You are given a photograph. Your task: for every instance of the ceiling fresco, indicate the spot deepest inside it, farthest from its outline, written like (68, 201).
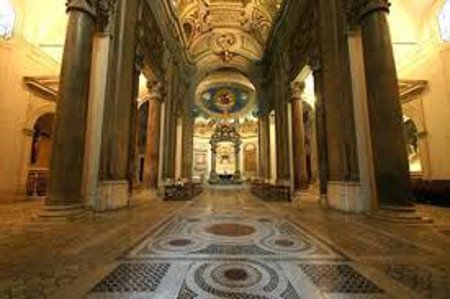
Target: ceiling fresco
(225, 102)
(247, 126)
(221, 32)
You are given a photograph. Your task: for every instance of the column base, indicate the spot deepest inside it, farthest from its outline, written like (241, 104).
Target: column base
(112, 195)
(347, 197)
(62, 212)
(323, 201)
(284, 182)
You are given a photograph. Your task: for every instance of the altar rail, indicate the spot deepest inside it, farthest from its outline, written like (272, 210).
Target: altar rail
(37, 182)
(187, 191)
(435, 192)
(271, 192)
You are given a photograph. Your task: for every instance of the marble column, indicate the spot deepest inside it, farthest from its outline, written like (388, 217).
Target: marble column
(264, 148)
(282, 141)
(300, 176)
(213, 174)
(237, 152)
(170, 125)
(66, 167)
(188, 145)
(385, 112)
(321, 130)
(179, 146)
(151, 161)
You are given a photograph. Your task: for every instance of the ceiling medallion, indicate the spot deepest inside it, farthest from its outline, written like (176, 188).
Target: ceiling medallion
(226, 56)
(225, 99)
(224, 102)
(225, 42)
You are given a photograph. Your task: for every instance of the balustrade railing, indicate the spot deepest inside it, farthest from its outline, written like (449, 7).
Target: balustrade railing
(184, 191)
(270, 191)
(37, 182)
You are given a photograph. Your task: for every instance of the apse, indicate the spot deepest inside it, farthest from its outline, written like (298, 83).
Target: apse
(225, 95)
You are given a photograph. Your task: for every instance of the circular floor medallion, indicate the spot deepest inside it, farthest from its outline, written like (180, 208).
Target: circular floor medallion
(284, 243)
(180, 242)
(236, 274)
(231, 230)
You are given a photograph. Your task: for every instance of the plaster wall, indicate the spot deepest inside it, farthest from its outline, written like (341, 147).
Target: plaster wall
(422, 55)
(19, 109)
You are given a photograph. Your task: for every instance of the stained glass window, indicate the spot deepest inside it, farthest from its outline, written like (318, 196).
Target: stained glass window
(444, 21)
(7, 18)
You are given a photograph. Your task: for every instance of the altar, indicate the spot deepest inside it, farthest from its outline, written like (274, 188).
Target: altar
(225, 157)
(226, 179)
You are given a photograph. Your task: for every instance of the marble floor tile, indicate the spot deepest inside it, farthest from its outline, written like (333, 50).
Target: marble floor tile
(224, 244)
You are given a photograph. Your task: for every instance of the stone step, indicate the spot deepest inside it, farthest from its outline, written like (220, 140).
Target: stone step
(400, 215)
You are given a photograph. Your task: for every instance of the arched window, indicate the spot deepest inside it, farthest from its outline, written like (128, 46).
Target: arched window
(7, 19)
(444, 21)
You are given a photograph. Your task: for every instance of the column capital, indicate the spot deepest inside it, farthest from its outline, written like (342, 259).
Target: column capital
(86, 6)
(315, 62)
(155, 92)
(297, 89)
(139, 58)
(370, 6)
(105, 11)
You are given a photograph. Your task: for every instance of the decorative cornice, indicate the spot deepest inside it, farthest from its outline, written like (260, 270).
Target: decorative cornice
(370, 6)
(409, 88)
(297, 89)
(139, 59)
(357, 10)
(154, 91)
(47, 86)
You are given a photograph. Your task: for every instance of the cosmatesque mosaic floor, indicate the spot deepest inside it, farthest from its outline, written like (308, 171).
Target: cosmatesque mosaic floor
(224, 244)
(230, 247)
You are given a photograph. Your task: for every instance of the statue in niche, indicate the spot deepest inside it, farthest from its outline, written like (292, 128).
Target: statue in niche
(35, 145)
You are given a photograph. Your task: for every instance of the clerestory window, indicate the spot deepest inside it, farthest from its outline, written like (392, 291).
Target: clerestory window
(444, 21)
(7, 19)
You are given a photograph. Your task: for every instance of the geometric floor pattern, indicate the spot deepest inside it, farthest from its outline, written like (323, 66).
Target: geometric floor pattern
(232, 252)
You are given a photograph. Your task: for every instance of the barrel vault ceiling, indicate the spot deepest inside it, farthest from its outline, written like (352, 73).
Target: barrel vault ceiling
(226, 33)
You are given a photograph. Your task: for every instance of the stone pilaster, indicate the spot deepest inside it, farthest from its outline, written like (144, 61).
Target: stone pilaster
(343, 176)
(99, 74)
(66, 167)
(171, 113)
(385, 112)
(117, 135)
(300, 176)
(153, 130)
(321, 129)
